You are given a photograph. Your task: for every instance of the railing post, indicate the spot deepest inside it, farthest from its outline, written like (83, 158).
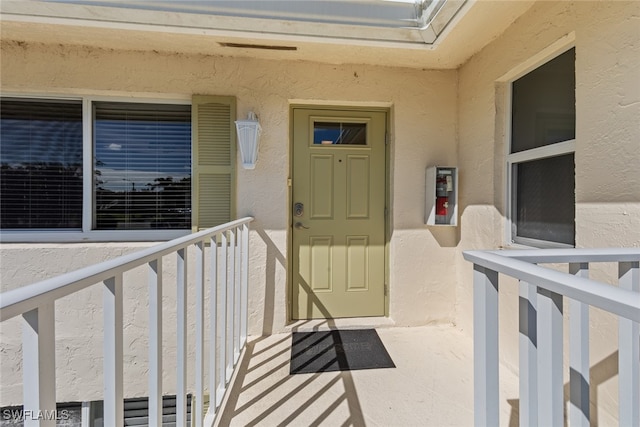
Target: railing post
(223, 313)
(38, 366)
(237, 296)
(579, 355)
(485, 347)
(155, 342)
(244, 285)
(213, 327)
(199, 313)
(528, 354)
(629, 351)
(550, 387)
(181, 335)
(230, 304)
(112, 350)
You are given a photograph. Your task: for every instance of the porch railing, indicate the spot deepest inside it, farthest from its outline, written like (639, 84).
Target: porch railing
(541, 292)
(228, 261)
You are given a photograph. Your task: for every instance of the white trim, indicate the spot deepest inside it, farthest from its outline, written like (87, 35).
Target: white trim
(87, 165)
(87, 233)
(77, 236)
(527, 242)
(552, 150)
(508, 170)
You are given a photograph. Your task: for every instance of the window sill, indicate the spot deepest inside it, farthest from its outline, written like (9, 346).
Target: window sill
(46, 236)
(526, 243)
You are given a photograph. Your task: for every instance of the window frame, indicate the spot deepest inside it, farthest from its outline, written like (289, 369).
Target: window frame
(512, 240)
(87, 233)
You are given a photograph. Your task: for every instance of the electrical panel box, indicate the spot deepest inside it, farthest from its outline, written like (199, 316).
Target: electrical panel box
(442, 196)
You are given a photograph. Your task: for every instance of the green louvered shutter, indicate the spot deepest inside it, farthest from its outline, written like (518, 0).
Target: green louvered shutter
(214, 160)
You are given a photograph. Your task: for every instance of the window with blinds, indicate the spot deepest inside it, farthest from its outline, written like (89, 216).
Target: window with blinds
(41, 164)
(142, 170)
(78, 168)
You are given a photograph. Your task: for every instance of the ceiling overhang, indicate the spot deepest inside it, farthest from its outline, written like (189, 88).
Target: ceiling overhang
(392, 34)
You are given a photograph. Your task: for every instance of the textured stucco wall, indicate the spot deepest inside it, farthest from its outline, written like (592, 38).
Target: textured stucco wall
(423, 132)
(607, 43)
(429, 281)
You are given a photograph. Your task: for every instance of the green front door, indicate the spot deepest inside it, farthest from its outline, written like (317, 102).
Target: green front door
(338, 213)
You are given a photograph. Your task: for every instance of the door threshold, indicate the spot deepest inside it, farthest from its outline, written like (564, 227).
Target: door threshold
(312, 325)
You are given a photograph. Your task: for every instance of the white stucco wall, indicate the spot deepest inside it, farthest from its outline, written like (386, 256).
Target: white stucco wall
(607, 157)
(423, 113)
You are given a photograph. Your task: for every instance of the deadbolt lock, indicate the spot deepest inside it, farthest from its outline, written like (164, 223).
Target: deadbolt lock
(298, 209)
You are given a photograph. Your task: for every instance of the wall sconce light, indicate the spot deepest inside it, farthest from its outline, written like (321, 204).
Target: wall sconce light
(248, 137)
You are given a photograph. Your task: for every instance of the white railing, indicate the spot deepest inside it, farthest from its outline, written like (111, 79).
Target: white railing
(228, 260)
(541, 335)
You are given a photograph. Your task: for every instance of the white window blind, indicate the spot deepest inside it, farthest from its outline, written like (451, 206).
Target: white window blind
(142, 172)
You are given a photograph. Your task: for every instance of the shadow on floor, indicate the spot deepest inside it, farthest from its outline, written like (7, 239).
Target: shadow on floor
(302, 399)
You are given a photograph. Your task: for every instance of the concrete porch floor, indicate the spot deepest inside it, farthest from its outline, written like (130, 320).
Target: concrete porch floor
(432, 385)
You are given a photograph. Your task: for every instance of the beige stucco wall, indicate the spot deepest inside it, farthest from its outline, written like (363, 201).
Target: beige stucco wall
(607, 43)
(422, 107)
(437, 117)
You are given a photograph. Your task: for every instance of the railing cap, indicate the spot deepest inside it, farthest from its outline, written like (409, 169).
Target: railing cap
(619, 301)
(26, 298)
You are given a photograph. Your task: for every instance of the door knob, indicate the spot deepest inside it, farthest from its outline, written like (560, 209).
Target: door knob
(300, 226)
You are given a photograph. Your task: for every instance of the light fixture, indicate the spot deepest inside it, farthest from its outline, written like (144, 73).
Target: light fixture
(248, 137)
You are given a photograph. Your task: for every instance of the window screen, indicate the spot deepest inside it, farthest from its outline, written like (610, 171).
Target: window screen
(142, 175)
(41, 164)
(545, 199)
(543, 178)
(544, 105)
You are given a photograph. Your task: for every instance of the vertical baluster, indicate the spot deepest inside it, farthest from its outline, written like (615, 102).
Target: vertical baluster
(550, 387)
(238, 295)
(485, 346)
(38, 365)
(112, 349)
(222, 268)
(528, 355)
(629, 351)
(181, 334)
(86, 415)
(199, 368)
(213, 327)
(244, 285)
(230, 304)
(579, 355)
(155, 342)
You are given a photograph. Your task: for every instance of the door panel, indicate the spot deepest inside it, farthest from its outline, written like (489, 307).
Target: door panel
(320, 249)
(358, 191)
(338, 235)
(321, 180)
(357, 263)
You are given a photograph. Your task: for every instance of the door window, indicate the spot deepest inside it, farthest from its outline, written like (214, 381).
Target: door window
(339, 133)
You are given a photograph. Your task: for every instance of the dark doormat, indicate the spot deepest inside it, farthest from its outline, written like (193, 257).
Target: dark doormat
(345, 350)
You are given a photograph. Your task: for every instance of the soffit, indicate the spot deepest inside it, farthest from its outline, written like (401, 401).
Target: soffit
(474, 26)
